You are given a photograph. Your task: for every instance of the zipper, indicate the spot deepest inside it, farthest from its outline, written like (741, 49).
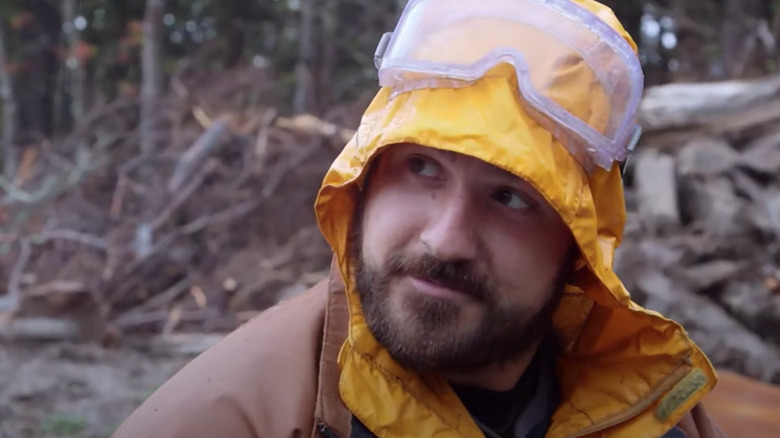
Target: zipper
(641, 406)
(326, 432)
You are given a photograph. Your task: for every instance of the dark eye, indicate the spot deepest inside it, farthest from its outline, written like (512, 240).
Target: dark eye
(423, 167)
(510, 199)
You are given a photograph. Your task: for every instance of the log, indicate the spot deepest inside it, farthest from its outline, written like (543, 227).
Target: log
(713, 204)
(308, 124)
(772, 206)
(706, 157)
(683, 105)
(39, 329)
(710, 274)
(721, 337)
(755, 306)
(763, 155)
(657, 189)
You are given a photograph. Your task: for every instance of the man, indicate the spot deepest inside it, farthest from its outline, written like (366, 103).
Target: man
(473, 219)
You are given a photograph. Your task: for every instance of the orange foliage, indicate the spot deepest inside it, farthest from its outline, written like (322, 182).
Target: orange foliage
(84, 51)
(21, 20)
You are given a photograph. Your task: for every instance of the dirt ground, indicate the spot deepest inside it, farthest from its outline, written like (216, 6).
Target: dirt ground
(75, 390)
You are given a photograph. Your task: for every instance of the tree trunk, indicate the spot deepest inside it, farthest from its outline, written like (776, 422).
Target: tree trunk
(739, 37)
(328, 43)
(302, 100)
(73, 64)
(9, 114)
(151, 88)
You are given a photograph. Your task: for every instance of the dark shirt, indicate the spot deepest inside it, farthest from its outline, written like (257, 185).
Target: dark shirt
(523, 411)
(499, 410)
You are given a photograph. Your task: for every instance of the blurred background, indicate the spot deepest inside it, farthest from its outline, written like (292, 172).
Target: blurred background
(160, 160)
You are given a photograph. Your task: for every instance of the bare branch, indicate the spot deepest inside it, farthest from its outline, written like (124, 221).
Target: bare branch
(182, 195)
(75, 236)
(284, 170)
(119, 196)
(184, 344)
(161, 316)
(157, 301)
(52, 185)
(17, 195)
(195, 154)
(280, 173)
(229, 215)
(223, 217)
(57, 287)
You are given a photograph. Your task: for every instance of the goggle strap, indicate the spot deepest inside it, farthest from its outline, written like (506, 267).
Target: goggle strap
(632, 143)
(381, 48)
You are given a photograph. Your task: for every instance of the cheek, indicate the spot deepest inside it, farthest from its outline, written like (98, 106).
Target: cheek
(391, 220)
(531, 258)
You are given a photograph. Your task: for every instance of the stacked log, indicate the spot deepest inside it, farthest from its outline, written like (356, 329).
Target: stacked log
(703, 238)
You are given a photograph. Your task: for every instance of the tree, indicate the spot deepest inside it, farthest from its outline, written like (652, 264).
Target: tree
(303, 69)
(9, 112)
(151, 87)
(74, 62)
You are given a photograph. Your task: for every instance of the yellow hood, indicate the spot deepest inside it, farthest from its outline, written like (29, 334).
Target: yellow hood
(626, 371)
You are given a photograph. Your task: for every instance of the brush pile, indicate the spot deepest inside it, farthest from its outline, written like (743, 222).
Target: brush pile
(99, 240)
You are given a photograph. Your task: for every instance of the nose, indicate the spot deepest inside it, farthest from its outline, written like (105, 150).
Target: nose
(450, 233)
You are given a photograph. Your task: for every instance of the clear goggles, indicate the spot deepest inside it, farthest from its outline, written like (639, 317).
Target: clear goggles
(578, 77)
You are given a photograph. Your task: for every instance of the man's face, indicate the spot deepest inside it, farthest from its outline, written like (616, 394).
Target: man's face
(459, 264)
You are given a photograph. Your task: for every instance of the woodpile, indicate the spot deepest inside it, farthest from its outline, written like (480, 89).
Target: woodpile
(703, 238)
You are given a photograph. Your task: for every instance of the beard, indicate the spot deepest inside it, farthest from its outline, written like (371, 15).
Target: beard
(432, 335)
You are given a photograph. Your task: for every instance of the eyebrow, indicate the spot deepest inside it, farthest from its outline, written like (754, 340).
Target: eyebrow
(503, 175)
(453, 157)
(517, 182)
(450, 155)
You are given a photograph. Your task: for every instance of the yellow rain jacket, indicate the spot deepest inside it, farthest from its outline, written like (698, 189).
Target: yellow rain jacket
(305, 366)
(626, 371)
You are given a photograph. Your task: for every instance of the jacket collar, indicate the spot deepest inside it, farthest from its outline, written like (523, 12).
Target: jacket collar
(330, 412)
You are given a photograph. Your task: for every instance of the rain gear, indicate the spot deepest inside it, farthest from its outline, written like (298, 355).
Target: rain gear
(307, 365)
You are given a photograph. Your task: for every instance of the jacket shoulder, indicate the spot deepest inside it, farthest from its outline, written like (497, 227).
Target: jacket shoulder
(260, 381)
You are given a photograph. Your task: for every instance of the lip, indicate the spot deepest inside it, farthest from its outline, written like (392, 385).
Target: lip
(436, 291)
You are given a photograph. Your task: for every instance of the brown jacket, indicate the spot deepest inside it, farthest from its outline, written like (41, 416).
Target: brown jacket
(275, 377)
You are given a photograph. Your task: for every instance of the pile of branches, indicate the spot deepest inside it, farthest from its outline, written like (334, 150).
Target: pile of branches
(98, 239)
(703, 238)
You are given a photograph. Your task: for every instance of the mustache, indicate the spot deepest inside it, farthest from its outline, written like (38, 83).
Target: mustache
(456, 275)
